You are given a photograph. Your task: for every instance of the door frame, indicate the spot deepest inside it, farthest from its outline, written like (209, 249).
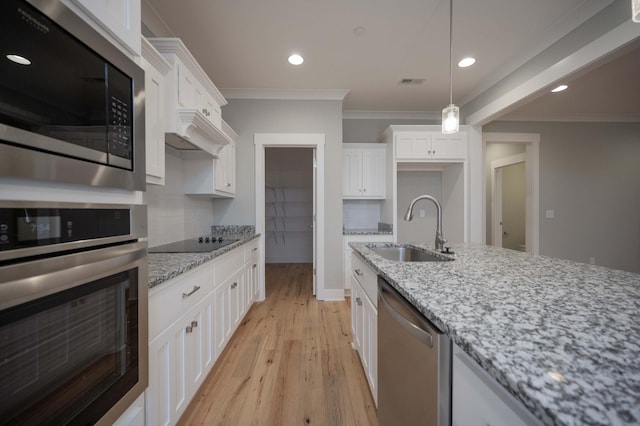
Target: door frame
(532, 167)
(496, 195)
(292, 140)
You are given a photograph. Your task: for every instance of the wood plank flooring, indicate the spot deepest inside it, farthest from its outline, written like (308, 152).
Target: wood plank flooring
(289, 363)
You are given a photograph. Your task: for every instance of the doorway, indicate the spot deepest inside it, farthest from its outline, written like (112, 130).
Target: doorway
(508, 212)
(509, 156)
(314, 142)
(289, 205)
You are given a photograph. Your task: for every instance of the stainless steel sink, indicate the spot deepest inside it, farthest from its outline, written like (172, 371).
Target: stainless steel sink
(408, 253)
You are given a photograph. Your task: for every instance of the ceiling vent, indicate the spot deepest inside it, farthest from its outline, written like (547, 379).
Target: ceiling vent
(405, 81)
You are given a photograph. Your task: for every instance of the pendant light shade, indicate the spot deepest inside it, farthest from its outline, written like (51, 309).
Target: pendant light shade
(635, 10)
(451, 114)
(450, 119)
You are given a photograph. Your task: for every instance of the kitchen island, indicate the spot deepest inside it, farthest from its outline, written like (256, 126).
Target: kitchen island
(562, 337)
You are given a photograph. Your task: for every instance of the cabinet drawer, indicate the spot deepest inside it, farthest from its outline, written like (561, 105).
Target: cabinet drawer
(228, 264)
(175, 297)
(366, 276)
(251, 251)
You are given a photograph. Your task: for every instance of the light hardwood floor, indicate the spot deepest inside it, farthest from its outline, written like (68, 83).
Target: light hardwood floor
(289, 363)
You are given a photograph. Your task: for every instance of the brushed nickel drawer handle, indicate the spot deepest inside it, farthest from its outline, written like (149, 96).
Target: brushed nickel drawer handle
(359, 272)
(195, 288)
(189, 329)
(254, 249)
(194, 324)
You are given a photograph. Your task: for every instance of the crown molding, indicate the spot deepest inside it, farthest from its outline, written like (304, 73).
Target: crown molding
(286, 94)
(393, 115)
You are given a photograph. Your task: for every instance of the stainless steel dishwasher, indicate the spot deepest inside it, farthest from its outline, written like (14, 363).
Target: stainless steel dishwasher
(414, 365)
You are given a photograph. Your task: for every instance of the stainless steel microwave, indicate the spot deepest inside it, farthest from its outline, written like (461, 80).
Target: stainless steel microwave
(71, 103)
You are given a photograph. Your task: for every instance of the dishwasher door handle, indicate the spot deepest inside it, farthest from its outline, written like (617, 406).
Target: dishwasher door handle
(414, 329)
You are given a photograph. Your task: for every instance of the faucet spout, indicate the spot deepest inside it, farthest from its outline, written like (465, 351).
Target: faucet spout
(440, 241)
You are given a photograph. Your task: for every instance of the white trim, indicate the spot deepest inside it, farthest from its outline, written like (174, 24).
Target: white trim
(332, 294)
(286, 94)
(532, 141)
(507, 161)
(391, 115)
(292, 140)
(624, 33)
(575, 118)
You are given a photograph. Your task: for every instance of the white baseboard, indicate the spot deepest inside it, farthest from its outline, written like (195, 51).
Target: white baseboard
(331, 294)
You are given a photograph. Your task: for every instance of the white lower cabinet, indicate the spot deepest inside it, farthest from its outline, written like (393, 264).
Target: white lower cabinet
(364, 320)
(134, 415)
(478, 400)
(348, 251)
(191, 319)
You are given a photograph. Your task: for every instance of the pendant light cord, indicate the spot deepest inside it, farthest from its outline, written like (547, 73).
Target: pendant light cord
(450, 52)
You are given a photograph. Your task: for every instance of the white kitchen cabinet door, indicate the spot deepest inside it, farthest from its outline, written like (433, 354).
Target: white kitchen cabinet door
(225, 171)
(119, 18)
(373, 173)
(430, 146)
(155, 68)
(363, 171)
(478, 400)
(370, 342)
(167, 392)
(187, 96)
(453, 147)
(222, 316)
(134, 415)
(236, 299)
(356, 316)
(412, 146)
(351, 173)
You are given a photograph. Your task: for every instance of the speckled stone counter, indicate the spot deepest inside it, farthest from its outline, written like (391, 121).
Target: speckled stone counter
(164, 266)
(371, 231)
(563, 337)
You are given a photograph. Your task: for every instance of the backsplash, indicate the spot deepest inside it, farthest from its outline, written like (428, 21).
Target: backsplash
(361, 214)
(224, 230)
(173, 216)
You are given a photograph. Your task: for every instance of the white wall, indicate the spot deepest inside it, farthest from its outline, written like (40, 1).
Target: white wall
(590, 177)
(410, 185)
(174, 216)
(370, 130)
(248, 117)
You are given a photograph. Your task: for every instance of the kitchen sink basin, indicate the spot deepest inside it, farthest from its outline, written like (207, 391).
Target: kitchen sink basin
(408, 253)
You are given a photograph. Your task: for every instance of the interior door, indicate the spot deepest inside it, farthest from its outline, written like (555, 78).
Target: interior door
(313, 220)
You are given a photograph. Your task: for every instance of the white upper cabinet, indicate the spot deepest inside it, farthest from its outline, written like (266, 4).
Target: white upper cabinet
(118, 18)
(155, 69)
(363, 171)
(429, 146)
(193, 117)
(216, 177)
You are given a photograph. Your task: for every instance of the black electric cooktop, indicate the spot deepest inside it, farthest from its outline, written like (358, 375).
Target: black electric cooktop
(197, 245)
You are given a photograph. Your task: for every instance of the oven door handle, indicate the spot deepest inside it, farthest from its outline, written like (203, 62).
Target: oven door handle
(33, 279)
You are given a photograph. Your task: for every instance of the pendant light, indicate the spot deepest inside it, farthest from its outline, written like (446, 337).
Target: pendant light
(451, 114)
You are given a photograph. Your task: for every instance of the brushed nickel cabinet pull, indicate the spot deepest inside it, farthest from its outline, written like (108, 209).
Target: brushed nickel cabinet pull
(195, 288)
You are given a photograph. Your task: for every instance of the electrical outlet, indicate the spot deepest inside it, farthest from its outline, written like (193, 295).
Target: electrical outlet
(550, 214)
(422, 213)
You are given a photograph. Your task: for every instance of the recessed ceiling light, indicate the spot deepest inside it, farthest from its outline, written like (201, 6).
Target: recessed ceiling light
(19, 59)
(560, 88)
(359, 31)
(466, 62)
(296, 59)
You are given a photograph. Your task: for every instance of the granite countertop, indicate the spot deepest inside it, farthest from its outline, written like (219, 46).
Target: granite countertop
(372, 231)
(562, 337)
(164, 266)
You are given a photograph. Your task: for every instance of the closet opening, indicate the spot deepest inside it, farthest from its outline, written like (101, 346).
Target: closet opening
(289, 210)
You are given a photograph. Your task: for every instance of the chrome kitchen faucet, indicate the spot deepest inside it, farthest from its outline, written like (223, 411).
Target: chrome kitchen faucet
(440, 241)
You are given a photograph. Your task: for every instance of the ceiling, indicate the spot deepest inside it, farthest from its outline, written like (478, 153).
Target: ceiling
(244, 44)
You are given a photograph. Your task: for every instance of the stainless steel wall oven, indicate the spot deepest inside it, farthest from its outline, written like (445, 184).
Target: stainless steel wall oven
(73, 312)
(71, 103)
